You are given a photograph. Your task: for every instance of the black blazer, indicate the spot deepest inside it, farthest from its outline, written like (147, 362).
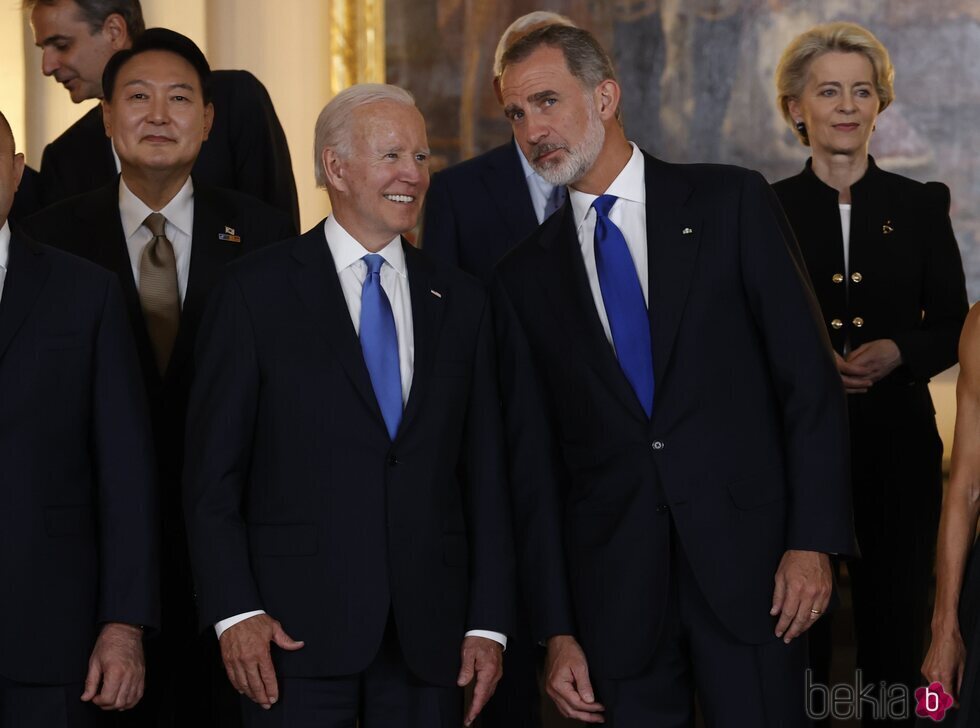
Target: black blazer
(747, 446)
(77, 503)
(297, 501)
(246, 150)
(27, 199)
(477, 210)
(89, 226)
(906, 279)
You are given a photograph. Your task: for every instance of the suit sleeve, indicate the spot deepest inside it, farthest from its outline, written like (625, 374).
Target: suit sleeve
(535, 477)
(932, 346)
(814, 414)
(220, 424)
(128, 502)
(263, 165)
(487, 501)
(440, 238)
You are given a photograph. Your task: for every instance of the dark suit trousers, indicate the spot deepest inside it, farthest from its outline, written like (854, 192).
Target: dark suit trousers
(737, 684)
(385, 695)
(44, 706)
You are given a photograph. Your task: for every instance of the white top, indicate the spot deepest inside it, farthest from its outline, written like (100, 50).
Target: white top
(179, 229)
(4, 253)
(538, 186)
(845, 231)
(629, 214)
(348, 257)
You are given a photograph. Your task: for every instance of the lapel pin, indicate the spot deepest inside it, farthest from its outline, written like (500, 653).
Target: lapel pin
(686, 231)
(887, 228)
(435, 293)
(229, 235)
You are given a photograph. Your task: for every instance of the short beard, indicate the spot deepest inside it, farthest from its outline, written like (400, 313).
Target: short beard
(578, 161)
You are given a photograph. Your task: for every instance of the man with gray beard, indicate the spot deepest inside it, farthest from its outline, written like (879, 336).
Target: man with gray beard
(676, 425)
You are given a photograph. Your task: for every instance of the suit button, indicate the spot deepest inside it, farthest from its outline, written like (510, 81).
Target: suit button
(662, 508)
(838, 278)
(858, 321)
(392, 460)
(657, 445)
(837, 323)
(856, 277)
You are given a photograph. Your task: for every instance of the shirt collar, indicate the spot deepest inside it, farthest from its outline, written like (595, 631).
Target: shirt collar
(628, 185)
(346, 250)
(4, 244)
(525, 165)
(179, 211)
(532, 176)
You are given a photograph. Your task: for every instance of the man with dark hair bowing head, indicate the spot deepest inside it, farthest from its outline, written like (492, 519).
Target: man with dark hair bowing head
(78, 553)
(675, 419)
(166, 236)
(345, 482)
(247, 150)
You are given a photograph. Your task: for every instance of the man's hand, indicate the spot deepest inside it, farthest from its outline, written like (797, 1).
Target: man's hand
(116, 668)
(483, 658)
(248, 659)
(567, 681)
(802, 593)
(869, 363)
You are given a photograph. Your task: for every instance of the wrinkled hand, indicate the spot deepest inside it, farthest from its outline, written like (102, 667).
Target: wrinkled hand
(248, 660)
(116, 668)
(567, 681)
(483, 658)
(803, 583)
(869, 363)
(946, 660)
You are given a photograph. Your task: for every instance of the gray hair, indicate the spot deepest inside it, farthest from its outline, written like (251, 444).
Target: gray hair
(333, 130)
(521, 26)
(94, 12)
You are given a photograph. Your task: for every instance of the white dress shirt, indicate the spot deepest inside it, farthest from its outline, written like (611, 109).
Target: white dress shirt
(629, 214)
(178, 229)
(4, 253)
(845, 233)
(540, 188)
(348, 257)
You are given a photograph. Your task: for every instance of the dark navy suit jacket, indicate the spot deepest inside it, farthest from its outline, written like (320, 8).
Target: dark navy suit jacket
(297, 500)
(746, 451)
(78, 511)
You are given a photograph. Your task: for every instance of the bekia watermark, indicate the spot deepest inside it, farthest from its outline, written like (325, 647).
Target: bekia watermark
(880, 701)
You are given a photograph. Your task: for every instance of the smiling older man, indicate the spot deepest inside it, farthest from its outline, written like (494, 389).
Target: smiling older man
(344, 480)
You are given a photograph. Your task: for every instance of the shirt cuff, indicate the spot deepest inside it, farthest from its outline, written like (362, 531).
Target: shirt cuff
(495, 636)
(232, 621)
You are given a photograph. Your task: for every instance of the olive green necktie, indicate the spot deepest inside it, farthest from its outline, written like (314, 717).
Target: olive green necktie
(159, 296)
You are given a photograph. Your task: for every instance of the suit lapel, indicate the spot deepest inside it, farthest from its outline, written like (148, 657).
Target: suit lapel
(673, 238)
(567, 285)
(27, 270)
(209, 255)
(103, 227)
(315, 279)
(427, 314)
(507, 187)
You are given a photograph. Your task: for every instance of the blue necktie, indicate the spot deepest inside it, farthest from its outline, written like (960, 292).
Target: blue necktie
(379, 343)
(623, 300)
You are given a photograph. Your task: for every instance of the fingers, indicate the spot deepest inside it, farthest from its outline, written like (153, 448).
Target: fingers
(486, 683)
(778, 597)
(256, 685)
(573, 696)
(283, 640)
(466, 671)
(801, 593)
(92, 679)
(113, 688)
